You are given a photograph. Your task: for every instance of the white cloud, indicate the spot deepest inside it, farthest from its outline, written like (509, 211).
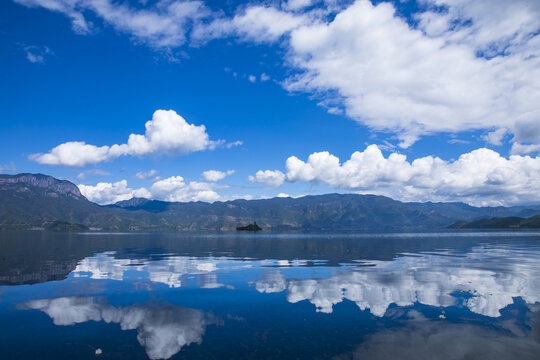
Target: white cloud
(273, 178)
(36, 54)
(240, 196)
(470, 67)
(67, 7)
(481, 177)
(264, 77)
(252, 78)
(394, 78)
(518, 148)
(73, 153)
(108, 193)
(257, 23)
(487, 25)
(495, 137)
(260, 23)
(527, 135)
(92, 172)
(146, 175)
(174, 188)
(167, 132)
(216, 175)
(163, 25)
(464, 65)
(234, 144)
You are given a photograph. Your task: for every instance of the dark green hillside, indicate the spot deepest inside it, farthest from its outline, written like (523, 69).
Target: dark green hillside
(60, 225)
(332, 212)
(511, 222)
(37, 201)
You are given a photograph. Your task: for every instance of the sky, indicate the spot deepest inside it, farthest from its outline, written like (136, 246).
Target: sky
(187, 100)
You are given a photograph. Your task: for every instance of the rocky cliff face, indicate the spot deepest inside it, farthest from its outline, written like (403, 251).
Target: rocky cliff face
(48, 183)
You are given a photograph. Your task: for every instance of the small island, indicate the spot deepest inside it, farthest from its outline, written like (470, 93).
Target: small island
(250, 227)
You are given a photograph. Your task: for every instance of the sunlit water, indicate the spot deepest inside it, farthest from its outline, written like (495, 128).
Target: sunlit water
(164, 296)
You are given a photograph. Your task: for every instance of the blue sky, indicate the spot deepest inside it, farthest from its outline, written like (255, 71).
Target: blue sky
(452, 84)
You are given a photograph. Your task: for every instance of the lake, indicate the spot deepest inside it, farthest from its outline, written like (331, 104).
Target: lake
(267, 296)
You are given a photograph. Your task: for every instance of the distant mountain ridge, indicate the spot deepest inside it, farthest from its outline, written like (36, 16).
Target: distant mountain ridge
(132, 203)
(36, 201)
(56, 186)
(511, 222)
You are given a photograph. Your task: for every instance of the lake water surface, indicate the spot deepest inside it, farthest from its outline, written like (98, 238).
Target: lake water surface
(261, 296)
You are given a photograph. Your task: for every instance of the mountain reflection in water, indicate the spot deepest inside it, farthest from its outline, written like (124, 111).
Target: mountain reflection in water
(434, 296)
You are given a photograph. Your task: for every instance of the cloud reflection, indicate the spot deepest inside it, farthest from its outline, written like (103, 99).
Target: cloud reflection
(484, 280)
(419, 338)
(162, 331)
(169, 270)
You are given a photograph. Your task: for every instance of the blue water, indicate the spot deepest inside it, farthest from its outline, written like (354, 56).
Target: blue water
(174, 296)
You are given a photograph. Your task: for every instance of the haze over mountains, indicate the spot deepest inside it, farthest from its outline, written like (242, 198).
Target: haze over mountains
(35, 201)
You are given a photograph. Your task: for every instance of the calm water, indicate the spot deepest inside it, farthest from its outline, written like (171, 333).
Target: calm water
(164, 296)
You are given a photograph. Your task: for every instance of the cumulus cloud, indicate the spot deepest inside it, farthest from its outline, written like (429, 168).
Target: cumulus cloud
(527, 135)
(273, 178)
(495, 137)
(174, 188)
(481, 177)
(108, 193)
(412, 82)
(519, 148)
(216, 175)
(472, 66)
(167, 132)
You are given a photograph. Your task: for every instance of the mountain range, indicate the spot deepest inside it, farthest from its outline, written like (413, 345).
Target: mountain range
(35, 201)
